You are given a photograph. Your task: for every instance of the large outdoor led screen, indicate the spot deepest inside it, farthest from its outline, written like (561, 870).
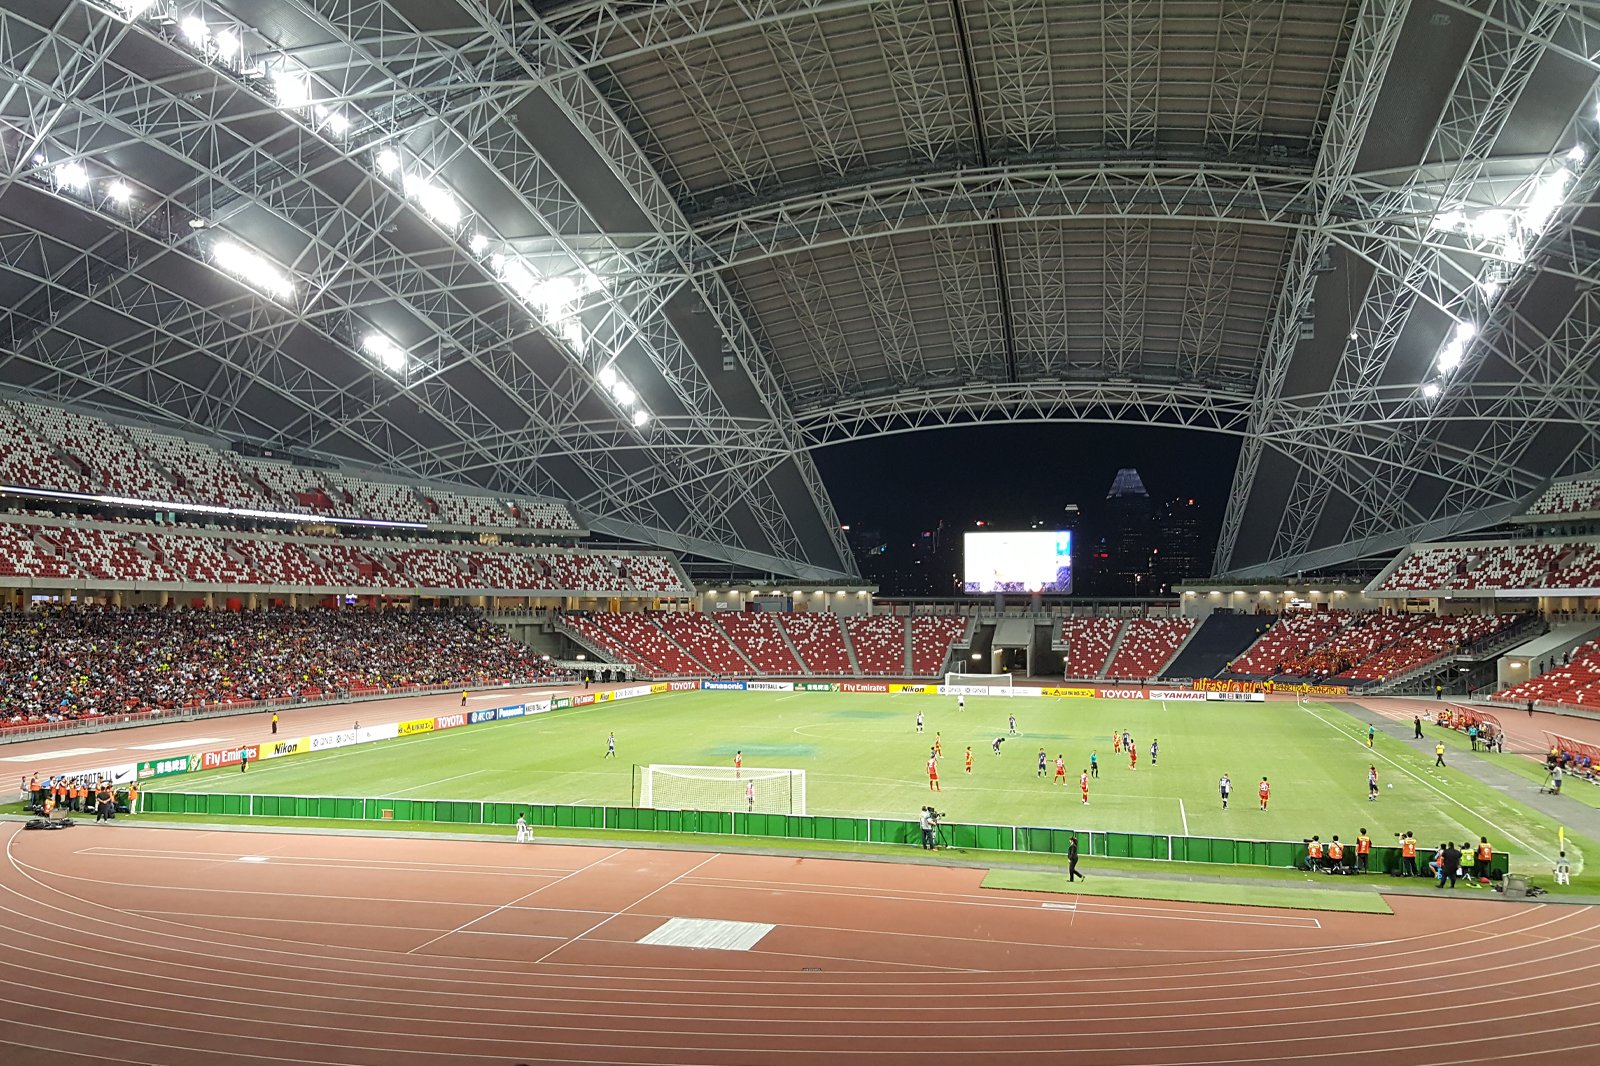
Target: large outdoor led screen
(1027, 561)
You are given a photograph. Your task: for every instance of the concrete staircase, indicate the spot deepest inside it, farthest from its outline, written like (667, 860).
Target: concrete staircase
(849, 645)
(1116, 644)
(783, 631)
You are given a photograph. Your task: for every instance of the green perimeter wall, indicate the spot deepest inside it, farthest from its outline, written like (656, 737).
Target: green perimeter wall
(792, 826)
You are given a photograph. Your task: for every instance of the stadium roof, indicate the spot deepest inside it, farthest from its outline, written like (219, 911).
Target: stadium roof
(646, 256)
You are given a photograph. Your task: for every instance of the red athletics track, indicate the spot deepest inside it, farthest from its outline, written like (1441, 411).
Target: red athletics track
(399, 952)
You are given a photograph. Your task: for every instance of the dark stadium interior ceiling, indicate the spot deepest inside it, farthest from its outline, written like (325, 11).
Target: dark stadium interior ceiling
(649, 256)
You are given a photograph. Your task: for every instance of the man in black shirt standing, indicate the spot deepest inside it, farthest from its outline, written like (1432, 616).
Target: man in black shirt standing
(1072, 862)
(1450, 865)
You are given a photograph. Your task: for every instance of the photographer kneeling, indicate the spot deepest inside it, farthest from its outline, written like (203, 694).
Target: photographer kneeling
(930, 828)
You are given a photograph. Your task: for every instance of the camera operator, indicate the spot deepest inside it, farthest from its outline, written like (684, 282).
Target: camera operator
(930, 828)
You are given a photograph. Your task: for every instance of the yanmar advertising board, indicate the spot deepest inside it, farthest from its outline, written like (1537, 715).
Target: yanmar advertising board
(1177, 695)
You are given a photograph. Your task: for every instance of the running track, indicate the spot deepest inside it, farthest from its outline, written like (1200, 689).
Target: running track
(400, 952)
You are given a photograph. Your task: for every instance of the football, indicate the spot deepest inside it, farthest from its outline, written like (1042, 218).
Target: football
(1391, 784)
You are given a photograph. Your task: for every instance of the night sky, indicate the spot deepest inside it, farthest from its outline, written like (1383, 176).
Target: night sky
(1012, 476)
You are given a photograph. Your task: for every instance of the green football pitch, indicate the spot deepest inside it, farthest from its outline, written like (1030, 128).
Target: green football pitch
(863, 756)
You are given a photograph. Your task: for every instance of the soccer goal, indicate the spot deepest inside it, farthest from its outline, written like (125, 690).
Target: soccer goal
(977, 680)
(765, 790)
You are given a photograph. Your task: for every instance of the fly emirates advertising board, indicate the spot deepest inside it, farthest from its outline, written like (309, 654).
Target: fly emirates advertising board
(1026, 561)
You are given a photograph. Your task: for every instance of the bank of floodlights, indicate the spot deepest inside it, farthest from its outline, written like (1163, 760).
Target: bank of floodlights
(253, 269)
(385, 351)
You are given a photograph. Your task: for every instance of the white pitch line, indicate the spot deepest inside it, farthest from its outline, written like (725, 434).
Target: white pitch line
(1185, 816)
(1424, 781)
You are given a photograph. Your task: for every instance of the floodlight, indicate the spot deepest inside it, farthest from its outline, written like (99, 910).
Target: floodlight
(71, 175)
(434, 199)
(640, 417)
(572, 332)
(388, 161)
(1430, 390)
(1576, 154)
(336, 123)
(228, 45)
(135, 8)
(477, 242)
(252, 268)
(291, 90)
(386, 351)
(194, 30)
(608, 376)
(624, 395)
(119, 191)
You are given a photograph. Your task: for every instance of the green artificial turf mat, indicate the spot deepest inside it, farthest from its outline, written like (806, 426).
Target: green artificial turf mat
(1306, 898)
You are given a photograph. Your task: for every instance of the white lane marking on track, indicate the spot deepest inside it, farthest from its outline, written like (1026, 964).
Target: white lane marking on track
(62, 753)
(519, 899)
(186, 743)
(659, 888)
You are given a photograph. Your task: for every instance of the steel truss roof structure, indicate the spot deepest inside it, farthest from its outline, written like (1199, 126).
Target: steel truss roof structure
(649, 256)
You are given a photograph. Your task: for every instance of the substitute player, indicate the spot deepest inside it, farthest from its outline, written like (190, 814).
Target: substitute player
(1061, 770)
(933, 776)
(1372, 784)
(738, 764)
(969, 759)
(1264, 792)
(1083, 786)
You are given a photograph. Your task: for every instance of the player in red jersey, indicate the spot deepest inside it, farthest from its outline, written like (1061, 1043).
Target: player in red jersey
(969, 760)
(738, 763)
(933, 776)
(1133, 756)
(1083, 786)
(1264, 791)
(1116, 742)
(1061, 770)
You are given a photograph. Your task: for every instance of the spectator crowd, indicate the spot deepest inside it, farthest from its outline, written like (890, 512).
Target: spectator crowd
(75, 663)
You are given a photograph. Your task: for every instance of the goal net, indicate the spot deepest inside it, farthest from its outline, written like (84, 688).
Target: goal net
(977, 680)
(721, 788)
